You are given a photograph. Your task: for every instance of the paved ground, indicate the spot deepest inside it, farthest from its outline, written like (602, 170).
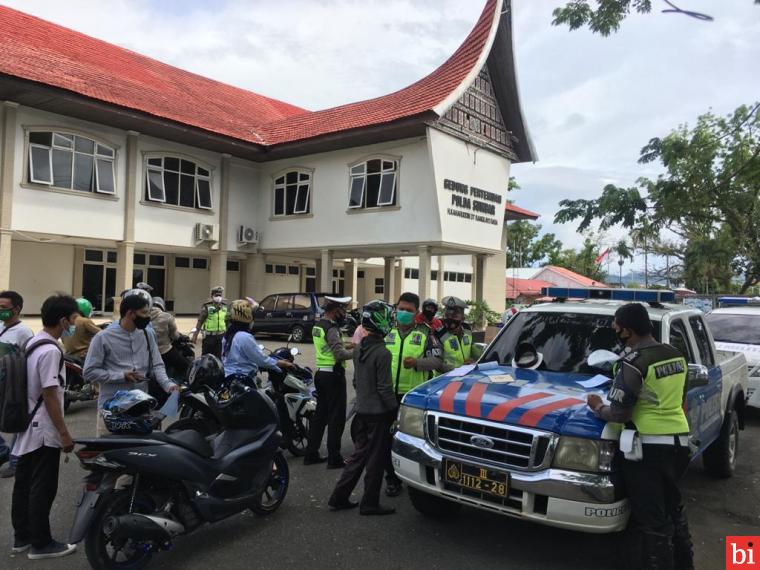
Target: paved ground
(303, 532)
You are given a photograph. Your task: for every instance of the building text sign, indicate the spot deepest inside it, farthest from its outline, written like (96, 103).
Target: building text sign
(472, 203)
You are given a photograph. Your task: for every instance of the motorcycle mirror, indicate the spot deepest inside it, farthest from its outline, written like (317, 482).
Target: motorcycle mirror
(294, 351)
(603, 359)
(262, 347)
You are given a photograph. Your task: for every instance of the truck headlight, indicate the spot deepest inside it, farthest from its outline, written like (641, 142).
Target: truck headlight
(581, 454)
(411, 421)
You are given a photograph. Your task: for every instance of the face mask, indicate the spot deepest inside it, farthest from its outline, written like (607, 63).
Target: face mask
(217, 299)
(68, 331)
(452, 324)
(142, 322)
(404, 318)
(6, 314)
(429, 314)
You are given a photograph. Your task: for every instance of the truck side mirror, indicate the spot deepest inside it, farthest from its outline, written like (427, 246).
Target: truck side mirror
(602, 359)
(698, 375)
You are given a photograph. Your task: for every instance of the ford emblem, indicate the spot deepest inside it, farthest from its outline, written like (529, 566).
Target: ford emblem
(481, 441)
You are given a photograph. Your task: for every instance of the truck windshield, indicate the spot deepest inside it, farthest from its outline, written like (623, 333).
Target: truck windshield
(741, 329)
(564, 339)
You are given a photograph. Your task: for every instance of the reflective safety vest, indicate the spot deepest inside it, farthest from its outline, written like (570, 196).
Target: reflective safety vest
(659, 407)
(325, 356)
(456, 350)
(412, 345)
(216, 319)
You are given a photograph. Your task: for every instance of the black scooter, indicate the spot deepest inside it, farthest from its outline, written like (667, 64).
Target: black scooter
(145, 490)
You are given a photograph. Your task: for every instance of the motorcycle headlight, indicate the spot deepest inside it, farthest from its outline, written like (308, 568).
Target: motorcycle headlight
(581, 454)
(411, 421)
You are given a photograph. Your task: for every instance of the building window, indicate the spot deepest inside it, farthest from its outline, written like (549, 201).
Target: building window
(111, 257)
(157, 260)
(434, 275)
(360, 274)
(373, 184)
(379, 285)
(280, 269)
(233, 265)
(93, 255)
(200, 263)
(269, 268)
(181, 261)
(410, 273)
(68, 161)
(177, 182)
(292, 193)
(138, 259)
(311, 271)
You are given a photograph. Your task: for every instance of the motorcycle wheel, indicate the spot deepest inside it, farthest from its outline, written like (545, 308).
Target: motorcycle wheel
(106, 554)
(66, 402)
(276, 487)
(298, 440)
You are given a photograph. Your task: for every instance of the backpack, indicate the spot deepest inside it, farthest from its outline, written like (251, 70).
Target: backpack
(14, 407)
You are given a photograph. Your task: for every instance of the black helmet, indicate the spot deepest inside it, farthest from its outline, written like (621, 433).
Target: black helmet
(241, 407)
(377, 316)
(206, 371)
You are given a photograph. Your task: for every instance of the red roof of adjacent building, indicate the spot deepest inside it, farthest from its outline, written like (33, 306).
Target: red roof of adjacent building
(43, 52)
(527, 287)
(518, 213)
(582, 280)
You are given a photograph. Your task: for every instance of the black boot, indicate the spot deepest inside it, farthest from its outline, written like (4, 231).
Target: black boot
(658, 551)
(683, 553)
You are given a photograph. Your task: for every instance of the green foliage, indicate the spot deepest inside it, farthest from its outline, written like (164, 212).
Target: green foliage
(481, 314)
(603, 20)
(710, 191)
(524, 247)
(581, 260)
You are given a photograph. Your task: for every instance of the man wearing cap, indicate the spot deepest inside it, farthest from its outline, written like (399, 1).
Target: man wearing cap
(428, 315)
(455, 336)
(330, 382)
(212, 321)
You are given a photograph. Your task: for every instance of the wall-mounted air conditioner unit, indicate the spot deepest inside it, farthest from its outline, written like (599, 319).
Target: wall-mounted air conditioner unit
(248, 235)
(206, 232)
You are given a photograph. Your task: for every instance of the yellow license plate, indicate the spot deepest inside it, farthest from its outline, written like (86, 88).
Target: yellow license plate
(476, 478)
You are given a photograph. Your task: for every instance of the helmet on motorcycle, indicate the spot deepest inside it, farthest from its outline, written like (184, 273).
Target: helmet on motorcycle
(241, 311)
(85, 307)
(206, 371)
(159, 302)
(377, 316)
(244, 408)
(128, 412)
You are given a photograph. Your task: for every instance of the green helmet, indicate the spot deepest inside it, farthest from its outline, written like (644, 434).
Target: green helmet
(85, 307)
(377, 316)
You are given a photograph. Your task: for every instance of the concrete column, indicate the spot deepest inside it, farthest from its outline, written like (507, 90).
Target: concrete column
(7, 161)
(126, 249)
(76, 289)
(255, 274)
(325, 271)
(351, 285)
(398, 278)
(424, 282)
(389, 287)
(478, 268)
(439, 283)
(170, 269)
(217, 276)
(125, 257)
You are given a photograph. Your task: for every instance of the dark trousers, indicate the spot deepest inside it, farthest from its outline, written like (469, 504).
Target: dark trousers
(390, 473)
(657, 536)
(175, 363)
(372, 445)
(330, 413)
(34, 491)
(212, 344)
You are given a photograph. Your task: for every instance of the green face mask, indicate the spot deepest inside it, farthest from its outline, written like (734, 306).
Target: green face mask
(6, 314)
(404, 318)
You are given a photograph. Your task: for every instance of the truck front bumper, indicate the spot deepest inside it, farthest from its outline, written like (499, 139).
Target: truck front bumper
(586, 502)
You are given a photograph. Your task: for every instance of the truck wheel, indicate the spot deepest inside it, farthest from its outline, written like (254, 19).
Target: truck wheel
(432, 506)
(720, 458)
(297, 333)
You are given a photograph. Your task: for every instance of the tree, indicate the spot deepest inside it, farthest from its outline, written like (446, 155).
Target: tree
(524, 247)
(710, 191)
(581, 260)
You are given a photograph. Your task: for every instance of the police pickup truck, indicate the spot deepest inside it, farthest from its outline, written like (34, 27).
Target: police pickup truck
(522, 441)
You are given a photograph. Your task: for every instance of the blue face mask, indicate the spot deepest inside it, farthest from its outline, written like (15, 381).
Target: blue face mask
(68, 331)
(404, 318)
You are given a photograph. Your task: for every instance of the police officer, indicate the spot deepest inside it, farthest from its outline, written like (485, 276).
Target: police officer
(456, 335)
(212, 321)
(415, 353)
(330, 382)
(647, 395)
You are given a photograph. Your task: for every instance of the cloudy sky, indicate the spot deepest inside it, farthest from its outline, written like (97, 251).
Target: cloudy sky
(591, 102)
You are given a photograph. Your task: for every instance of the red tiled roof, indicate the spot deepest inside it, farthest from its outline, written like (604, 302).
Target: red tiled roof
(528, 287)
(581, 279)
(43, 52)
(520, 213)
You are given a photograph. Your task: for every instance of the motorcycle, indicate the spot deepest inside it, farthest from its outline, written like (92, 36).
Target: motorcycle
(77, 390)
(144, 490)
(351, 323)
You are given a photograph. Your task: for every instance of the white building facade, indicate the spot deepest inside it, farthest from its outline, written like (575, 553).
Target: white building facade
(99, 191)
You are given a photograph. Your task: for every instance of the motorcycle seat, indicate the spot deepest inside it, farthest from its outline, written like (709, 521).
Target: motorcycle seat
(189, 439)
(75, 359)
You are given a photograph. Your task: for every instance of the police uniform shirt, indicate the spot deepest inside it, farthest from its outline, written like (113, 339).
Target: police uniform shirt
(432, 358)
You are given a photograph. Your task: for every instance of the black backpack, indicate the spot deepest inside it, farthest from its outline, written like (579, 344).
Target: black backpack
(14, 407)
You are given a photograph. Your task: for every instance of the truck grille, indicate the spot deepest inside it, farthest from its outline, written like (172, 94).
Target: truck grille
(513, 447)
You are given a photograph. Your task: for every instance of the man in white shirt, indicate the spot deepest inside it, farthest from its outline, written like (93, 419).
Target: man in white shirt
(39, 447)
(13, 335)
